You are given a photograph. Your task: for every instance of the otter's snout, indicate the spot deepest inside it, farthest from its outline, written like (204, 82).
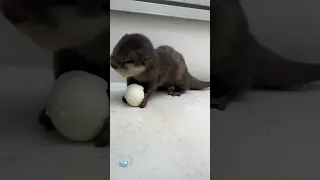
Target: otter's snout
(114, 65)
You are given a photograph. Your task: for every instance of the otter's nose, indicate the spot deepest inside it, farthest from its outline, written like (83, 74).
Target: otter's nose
(114, 65)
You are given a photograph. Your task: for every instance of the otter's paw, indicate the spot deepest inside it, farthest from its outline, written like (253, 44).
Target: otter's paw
(103, 139)
(124, 100)
(144, 103)
(174, 93)
(45, 121)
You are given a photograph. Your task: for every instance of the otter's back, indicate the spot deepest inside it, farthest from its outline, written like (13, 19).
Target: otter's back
(171, 63)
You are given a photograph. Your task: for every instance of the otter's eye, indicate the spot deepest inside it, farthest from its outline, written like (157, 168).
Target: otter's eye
(130, 61)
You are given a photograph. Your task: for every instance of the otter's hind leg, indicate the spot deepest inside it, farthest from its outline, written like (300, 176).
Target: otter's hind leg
(180, 86)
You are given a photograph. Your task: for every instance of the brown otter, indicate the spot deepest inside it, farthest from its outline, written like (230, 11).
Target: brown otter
(135, 58)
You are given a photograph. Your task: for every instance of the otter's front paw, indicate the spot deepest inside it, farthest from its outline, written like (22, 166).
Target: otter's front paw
(124, 100)
(45, 121)
(103, 139)
(144, 103)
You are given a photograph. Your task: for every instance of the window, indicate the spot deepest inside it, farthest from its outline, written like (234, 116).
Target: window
(189, 9)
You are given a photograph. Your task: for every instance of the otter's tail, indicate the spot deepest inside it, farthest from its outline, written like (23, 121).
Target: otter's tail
(276, 72)
(196, 84)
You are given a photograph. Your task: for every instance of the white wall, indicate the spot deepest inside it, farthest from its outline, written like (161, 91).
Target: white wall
(189, 37)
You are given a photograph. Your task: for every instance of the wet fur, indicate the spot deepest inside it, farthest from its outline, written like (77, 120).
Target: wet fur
(154, 69)
(239, 62)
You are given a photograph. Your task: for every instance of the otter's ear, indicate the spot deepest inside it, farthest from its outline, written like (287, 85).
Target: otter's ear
(125, 36)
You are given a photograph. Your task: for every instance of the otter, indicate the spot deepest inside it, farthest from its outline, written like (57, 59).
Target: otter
(135, 58)
(239, 62)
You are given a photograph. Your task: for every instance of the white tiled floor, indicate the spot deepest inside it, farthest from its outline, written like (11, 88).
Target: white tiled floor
(167, 140)
(268, 135)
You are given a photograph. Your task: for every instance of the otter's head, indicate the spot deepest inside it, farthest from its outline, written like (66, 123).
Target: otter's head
(132, 55)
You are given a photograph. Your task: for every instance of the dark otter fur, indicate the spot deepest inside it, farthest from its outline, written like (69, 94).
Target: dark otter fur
(135, 58)
(239, 62)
